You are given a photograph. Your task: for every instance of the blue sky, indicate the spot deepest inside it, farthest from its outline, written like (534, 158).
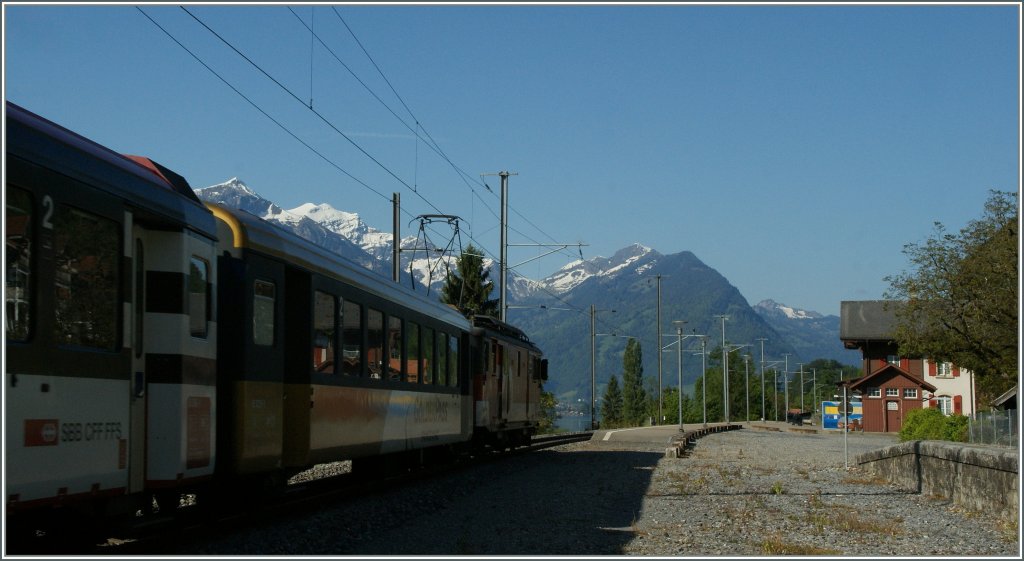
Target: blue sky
(795, 149)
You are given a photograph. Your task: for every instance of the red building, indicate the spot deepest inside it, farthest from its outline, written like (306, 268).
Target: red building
(893, 384)
(887, 395)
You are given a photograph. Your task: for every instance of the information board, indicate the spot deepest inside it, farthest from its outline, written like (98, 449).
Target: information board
(832, 414)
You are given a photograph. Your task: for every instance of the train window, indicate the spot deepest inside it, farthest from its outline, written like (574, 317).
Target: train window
(325, 314)
(87, 254)
(441, 352)
(394, 348)
(18, 294)
(412, 349)
(198, 296)
(351, 338)
(375, 339)
(453, 361)
(427, 356)
(263, 297)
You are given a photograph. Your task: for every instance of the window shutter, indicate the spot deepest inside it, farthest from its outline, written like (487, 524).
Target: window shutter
(956, 371)
(957, 404)
(932, 369)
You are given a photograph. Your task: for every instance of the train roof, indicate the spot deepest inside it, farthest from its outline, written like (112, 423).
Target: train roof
(254, 233)
(142, 182)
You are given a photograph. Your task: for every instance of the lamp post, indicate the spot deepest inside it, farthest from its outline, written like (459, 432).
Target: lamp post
(703, 375)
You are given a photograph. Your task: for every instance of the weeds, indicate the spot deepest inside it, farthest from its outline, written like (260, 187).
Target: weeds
(775, 546)
(777, 488)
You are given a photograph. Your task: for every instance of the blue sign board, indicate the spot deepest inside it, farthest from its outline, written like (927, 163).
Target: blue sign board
(832, 417)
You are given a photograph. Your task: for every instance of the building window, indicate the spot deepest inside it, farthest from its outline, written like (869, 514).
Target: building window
(893, 359)
(892, 392)
(874, 392)
(909, 393)
(945, 404)
(944, 370)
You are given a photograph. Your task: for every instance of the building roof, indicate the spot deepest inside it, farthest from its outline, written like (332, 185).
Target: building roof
(1010, 394)
(867, 320)
(889, 369)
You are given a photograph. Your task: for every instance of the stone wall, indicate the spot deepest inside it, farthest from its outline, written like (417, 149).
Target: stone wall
(980, 478)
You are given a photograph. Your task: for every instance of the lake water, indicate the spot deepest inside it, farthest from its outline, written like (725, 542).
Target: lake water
(574, 423)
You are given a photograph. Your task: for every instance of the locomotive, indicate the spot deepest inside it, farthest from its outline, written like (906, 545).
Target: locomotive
(156, 345)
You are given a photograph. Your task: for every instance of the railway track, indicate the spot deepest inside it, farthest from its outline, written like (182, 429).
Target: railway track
(194, 521)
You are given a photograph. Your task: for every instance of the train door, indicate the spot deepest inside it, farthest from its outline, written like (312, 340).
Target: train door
(174, 379)
(137, 386)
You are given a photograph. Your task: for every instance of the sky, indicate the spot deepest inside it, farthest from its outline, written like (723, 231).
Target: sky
(796, 149)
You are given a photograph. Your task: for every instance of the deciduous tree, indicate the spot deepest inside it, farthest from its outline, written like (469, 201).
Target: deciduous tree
(959, 302)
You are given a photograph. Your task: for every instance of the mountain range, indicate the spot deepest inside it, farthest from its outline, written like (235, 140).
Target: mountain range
(555, 311)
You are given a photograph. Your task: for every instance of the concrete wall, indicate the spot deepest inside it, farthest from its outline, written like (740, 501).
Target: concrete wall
(980, 478)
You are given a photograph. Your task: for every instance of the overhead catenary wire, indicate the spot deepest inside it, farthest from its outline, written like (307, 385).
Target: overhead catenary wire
(433, 143)
(321, 117)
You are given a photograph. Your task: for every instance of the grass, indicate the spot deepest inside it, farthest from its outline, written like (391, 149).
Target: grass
(777, 488)
(774, 545)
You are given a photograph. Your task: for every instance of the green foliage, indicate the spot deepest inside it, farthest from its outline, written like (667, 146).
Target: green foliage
(548, 416)
(959, 303)
(956, 428)
(930, 424)
(611, 405)
(468, 288)
(634, 397)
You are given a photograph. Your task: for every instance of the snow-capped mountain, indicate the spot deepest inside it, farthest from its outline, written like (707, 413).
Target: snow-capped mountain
(812, 334)
(236, 194)
(772, 308)
(631, 259)
(339, 231)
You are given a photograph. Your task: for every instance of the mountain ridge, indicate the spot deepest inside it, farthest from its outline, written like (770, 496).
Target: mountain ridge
(625, 281)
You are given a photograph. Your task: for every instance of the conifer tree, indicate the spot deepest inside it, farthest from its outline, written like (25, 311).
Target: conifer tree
(469, 288)
(634, 397)
(611, 405)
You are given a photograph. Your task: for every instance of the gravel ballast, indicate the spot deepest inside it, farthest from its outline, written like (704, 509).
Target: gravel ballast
(739, 493)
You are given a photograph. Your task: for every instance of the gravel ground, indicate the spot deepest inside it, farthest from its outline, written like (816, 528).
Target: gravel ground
(740, 493)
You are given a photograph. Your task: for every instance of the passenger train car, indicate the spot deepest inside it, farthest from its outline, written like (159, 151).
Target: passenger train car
(156, 345)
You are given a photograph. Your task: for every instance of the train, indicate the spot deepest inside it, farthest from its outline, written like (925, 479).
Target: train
(157, 345)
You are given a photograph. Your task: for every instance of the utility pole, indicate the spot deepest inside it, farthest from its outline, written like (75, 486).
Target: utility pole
(785, 384)
(746, 383)
(802, 387)
(725, 372)
(593, 361)
(503, 266)
(704, 375)
(504, 243)
(661, 415)
(396, 235)
(764, 416)
(679, 366)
